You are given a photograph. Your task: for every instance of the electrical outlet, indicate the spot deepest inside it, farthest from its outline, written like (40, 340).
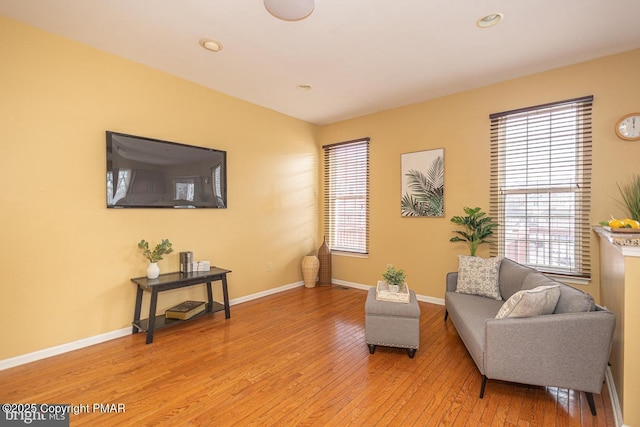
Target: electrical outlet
(269, 266)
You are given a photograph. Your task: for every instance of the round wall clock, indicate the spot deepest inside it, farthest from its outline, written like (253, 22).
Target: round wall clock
(628, 127)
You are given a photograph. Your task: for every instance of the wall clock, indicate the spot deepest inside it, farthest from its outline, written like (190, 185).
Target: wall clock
(628, 127)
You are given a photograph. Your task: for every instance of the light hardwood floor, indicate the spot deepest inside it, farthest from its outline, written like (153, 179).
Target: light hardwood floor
(297, 358)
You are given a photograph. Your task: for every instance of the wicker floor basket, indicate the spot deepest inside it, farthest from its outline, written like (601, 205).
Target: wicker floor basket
(324, 255)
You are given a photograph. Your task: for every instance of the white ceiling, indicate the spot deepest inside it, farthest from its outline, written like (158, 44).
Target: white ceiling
(360, 56)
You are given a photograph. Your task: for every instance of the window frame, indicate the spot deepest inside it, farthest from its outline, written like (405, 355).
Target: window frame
(346, 196)
(560, 160)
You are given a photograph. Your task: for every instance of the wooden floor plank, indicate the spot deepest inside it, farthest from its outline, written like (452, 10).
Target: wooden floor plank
(296, 358)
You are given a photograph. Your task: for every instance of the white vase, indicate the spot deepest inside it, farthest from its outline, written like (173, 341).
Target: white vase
(310, 267)
(394, 288)
(153, 271)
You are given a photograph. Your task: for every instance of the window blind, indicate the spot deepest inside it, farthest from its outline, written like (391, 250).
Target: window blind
(540, 185)
(346, 196)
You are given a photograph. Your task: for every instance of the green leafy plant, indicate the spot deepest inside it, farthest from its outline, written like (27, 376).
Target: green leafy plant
(393, 276)
(478, 228)
(155, 255)
(427, 191)
(630, 193)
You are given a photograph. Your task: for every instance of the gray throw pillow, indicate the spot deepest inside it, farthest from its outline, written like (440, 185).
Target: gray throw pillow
(571, 300)
(533, 302)
(478, 276)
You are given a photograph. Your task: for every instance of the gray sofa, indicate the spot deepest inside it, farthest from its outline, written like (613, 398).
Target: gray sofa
(567, 349)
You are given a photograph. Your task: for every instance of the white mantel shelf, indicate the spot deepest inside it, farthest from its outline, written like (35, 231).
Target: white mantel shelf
(629, 243)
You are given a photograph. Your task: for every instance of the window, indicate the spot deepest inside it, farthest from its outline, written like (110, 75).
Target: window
(184, 189)
(121, 186)
(346, 199)
(540, 185)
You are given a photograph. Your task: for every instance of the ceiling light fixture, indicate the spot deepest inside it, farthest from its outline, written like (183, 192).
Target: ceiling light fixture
(304, 88)
(290, 10)
(210, 44)
(490, 20)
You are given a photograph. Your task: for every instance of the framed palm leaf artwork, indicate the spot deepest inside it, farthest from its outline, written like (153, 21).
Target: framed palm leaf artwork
(423, 183)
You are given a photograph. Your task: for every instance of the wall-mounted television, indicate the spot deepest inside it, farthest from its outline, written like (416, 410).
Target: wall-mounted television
(150, 173)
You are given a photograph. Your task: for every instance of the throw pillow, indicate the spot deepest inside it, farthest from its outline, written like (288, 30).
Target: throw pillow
(533, 302)
(479, 276)
(571, 300)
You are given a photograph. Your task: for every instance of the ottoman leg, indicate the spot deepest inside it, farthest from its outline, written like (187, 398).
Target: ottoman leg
(411, 352)
(372, 348)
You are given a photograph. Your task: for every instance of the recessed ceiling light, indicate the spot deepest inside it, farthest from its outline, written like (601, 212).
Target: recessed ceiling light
(210, 44)
(304, 88)
(290, 10)
(489, 20)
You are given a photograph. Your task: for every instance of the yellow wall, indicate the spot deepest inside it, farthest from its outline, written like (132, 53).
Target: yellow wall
(460, 124)
(66, 259)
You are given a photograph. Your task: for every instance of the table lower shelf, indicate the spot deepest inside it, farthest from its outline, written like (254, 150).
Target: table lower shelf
(162, 322)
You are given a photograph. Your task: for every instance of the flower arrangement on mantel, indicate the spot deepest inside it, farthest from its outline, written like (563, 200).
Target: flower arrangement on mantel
(394, 277)
(155, 255)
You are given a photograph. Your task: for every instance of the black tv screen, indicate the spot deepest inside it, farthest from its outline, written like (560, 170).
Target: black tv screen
(150, 173)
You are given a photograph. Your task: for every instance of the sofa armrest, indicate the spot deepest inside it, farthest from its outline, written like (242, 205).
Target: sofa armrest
(569, 350)
(452, 281)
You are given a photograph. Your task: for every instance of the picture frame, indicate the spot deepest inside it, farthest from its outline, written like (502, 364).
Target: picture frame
(422, 177)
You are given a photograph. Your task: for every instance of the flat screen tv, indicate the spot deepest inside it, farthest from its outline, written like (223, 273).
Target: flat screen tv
(150, 173)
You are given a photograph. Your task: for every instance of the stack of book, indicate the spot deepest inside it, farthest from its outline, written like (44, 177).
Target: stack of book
(185, 310)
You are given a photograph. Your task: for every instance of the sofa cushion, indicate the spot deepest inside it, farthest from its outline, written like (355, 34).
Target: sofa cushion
(511, 277)
(571, 300)
(478, 276)
(532, 302)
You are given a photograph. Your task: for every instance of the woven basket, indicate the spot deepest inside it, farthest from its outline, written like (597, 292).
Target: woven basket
(324, 255)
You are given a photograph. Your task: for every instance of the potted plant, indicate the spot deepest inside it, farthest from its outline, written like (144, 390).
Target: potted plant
(394, 278)
(478, 228)
(630, 193)
(155, 255)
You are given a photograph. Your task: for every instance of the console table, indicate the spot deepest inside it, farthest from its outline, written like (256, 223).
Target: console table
(176, 280)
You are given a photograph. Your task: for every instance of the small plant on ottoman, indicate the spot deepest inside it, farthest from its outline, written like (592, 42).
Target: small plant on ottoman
(394, 278)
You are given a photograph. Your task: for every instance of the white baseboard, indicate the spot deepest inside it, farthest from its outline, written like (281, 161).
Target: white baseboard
(63, 348)
(86, 342)
(423, 298)
(266, 293)
(613, 395)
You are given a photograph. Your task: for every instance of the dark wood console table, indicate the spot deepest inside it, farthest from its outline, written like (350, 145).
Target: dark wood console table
(176, 280)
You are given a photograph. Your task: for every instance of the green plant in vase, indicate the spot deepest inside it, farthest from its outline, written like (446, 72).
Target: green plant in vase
(478, 228)
(155, 255)
(394, 278)
(630, 193)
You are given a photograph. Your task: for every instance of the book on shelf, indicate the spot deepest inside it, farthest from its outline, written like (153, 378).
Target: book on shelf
(185, 310)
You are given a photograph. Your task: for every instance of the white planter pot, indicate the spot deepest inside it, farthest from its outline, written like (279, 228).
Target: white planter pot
(310, 267)
(153, 271)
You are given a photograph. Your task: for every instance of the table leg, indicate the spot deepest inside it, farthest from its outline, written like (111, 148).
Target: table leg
(152, 315)
(210, 296)
(225, 293)
(136, 311)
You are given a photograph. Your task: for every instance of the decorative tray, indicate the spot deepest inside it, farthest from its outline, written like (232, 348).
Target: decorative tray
(622, 230)
(384, 294)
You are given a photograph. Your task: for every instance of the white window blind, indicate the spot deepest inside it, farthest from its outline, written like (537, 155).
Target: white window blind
(346, 196)
(541, 184)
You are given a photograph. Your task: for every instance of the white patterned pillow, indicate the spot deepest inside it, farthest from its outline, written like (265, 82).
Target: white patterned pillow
(478, 276)
(533, 302)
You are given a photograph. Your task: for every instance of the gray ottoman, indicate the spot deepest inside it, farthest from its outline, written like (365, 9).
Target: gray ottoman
(392, 324)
